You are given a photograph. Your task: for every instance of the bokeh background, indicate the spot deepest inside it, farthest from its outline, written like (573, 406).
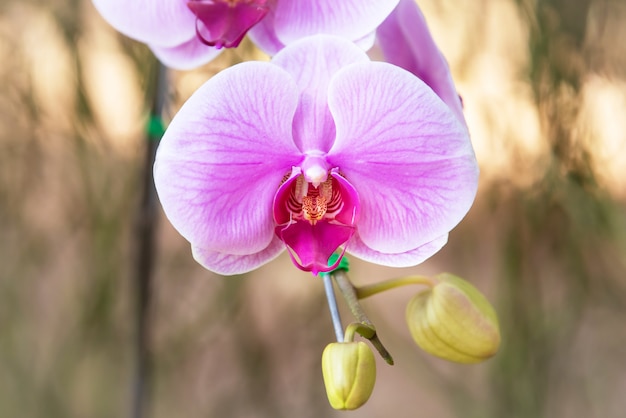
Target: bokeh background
(544, 87)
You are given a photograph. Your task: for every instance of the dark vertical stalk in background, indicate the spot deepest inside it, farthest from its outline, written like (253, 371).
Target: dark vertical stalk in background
(146, 231)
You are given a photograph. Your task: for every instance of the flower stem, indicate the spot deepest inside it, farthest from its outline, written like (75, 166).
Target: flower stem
(146, 231)
(332, 305)
(349, 293)
(363, 292)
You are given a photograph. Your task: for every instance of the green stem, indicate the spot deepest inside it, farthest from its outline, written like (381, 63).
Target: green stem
(350, 295)
(372, 289)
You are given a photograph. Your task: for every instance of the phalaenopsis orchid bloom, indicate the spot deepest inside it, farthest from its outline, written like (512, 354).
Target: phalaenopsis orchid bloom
(320, 150)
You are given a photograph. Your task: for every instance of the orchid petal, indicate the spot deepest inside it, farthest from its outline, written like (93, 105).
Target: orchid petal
(312, 62)
(366, 42)
(165, 23)
(409, 258)
(406, 42)
(186, 56)
(404, 151)
(264, 36)
(228, 264)
(224, 155)
(351, 19)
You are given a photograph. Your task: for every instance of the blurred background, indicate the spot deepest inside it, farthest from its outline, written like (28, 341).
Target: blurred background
(544, 87)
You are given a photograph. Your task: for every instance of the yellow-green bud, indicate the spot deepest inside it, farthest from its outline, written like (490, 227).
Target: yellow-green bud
(349, 372)
(454, 321)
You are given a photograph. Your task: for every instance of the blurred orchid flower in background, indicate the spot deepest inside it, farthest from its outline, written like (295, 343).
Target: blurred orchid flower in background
(406, 42)
(318, 149)
(185, 34)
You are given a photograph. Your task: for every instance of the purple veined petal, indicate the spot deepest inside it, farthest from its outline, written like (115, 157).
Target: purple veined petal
(224, 155)
(351, 19)
(186, 56)
(228, 264)
(264, 36)
(406, 42)
(312, 62)
(404, 151)
(409, 258)
(165, 23)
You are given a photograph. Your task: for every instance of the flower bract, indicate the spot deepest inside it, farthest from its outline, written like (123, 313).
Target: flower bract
(318, 150)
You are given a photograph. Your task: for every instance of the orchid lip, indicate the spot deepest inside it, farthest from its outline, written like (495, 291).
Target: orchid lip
(314, 221)
(224, 23)
(316, 266)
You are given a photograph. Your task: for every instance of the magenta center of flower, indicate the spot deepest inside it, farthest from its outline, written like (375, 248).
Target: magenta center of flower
(224, 23)
(313, 204)
(314, 219)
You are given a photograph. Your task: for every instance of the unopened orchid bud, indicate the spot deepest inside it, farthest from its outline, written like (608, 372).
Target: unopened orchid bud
(349, 372)
(454, 321)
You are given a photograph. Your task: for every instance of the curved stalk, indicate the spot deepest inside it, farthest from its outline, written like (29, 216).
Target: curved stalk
(363, 292)
(349, 293)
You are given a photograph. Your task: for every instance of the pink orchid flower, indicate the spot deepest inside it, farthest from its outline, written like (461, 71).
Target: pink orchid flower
(318, 150)
(406, 42)
(184, 34)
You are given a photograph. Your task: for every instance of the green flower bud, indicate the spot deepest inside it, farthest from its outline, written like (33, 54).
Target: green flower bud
(349, 372)
(454, 321)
